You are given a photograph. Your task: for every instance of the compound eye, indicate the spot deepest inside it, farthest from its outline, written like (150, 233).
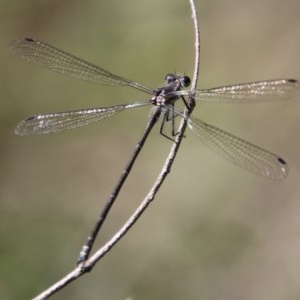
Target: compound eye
(170, 78)
(185, 81)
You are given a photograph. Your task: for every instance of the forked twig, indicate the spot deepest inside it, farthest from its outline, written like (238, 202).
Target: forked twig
(88, 265)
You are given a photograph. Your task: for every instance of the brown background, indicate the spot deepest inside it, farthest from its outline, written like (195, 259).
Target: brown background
(215, 231)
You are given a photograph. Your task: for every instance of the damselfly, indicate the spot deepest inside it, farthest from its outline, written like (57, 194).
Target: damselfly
(236, 150)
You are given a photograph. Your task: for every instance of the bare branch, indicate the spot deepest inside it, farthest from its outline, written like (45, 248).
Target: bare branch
(166, 168)
(197, 45)
(167, 165)
(82, 269)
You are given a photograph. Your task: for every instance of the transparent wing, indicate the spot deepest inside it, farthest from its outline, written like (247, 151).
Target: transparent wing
(56, 122)
(261, 91)
(238, 151)
(62, 62)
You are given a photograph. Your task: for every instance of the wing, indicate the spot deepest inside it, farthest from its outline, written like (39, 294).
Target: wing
(62, 62)
(238, 151)
(56, 122)
(261, 91)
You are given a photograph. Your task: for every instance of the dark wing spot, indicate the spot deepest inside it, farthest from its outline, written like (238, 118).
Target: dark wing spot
(30, 118)
(292, 80)
(281, 161)
(29, 40)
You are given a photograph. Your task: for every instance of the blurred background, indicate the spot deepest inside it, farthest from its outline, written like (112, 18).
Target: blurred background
(214, 231)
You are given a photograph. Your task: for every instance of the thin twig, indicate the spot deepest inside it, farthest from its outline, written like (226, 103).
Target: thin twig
(77, 272)
(168, 163)
(197, 45)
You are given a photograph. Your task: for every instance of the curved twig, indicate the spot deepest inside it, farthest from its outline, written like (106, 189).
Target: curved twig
(80, 270)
